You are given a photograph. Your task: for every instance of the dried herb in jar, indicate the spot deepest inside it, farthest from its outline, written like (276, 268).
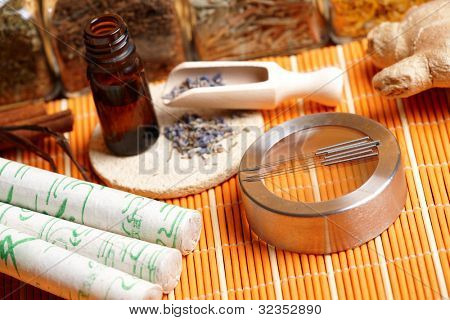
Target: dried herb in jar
(353, 19)
(153, 24)
(24, 71)
(242, 29)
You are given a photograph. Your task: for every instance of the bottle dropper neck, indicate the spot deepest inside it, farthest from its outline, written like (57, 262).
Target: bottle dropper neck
(107, 40)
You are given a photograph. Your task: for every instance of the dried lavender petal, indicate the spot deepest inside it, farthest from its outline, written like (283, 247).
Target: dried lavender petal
(195, 82)
(193, 134)
(217, 79)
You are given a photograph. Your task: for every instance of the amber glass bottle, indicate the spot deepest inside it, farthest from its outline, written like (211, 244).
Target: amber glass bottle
(120, 90)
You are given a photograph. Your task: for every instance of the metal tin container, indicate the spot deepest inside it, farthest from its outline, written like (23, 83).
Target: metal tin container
(333, 225)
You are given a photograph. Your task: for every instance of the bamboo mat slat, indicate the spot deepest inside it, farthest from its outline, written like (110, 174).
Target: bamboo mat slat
(410, 260)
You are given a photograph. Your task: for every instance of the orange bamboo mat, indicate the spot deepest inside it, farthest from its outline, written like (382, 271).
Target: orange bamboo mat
(410, 260)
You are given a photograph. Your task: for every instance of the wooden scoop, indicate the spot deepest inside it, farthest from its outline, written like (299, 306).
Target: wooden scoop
(252, 85)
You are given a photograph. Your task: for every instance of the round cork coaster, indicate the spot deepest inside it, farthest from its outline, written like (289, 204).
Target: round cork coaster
(162, 172)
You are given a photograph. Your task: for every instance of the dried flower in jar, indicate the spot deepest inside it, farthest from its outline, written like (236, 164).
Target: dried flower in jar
(241, 29)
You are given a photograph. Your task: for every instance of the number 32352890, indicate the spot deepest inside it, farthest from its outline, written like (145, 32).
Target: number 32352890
(289, 309)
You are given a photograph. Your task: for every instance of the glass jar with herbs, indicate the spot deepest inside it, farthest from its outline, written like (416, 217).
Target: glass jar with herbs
(242, 29)
(353, 19)
(153, 24)
(25, 73)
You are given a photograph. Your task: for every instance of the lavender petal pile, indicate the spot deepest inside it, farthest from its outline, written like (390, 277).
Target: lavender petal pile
(195, 82)
(193, 134)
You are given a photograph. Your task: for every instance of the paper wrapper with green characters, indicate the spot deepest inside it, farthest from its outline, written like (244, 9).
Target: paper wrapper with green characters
(147, 261)
(99, 206)
(64, 273)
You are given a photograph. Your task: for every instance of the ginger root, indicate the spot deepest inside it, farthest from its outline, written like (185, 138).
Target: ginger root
(415, 53)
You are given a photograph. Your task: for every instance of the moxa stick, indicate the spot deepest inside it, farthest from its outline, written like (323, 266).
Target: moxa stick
(66, 274)
(98, 206)
(147, 261)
